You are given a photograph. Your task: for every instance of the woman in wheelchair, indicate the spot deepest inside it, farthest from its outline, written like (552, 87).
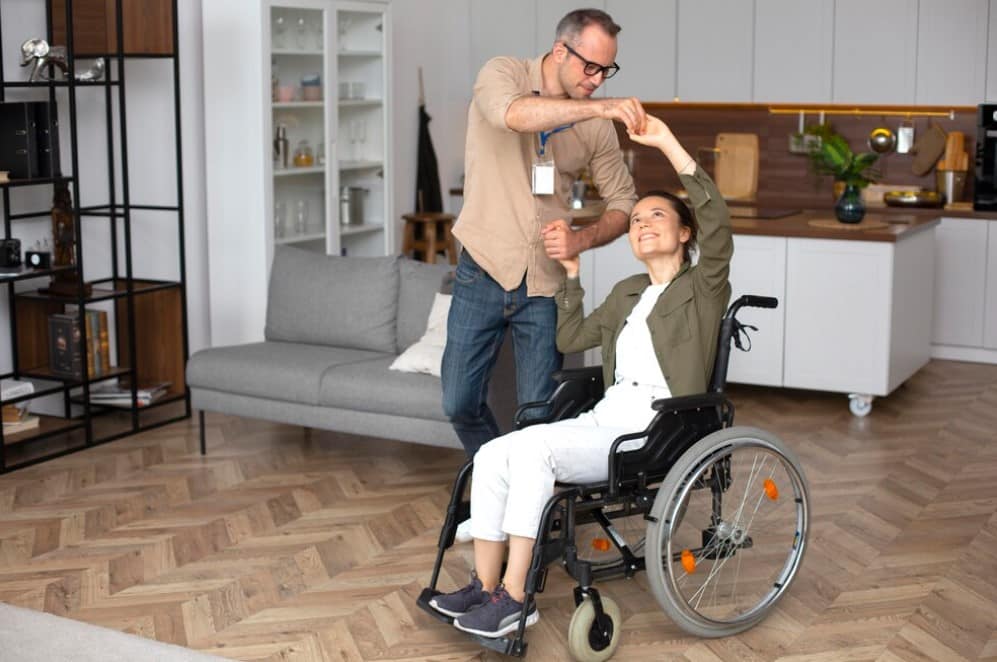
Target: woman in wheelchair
(658, 333)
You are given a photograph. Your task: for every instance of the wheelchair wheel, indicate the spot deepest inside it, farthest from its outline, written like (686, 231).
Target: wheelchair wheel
(730, 528)
(586, 641)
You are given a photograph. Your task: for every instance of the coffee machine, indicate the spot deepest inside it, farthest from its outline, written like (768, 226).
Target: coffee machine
(985, 168)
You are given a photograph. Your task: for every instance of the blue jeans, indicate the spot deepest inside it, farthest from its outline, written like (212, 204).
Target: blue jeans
(480, 312)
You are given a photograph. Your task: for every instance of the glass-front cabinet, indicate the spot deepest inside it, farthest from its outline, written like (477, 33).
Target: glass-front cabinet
(327, 125)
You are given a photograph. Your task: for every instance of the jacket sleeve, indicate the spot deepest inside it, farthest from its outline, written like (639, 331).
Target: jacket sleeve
(716, 244)
(575, 331)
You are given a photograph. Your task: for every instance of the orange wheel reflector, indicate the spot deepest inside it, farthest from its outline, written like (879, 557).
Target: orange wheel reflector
(688, 562)
(600, 544)
(771, 491)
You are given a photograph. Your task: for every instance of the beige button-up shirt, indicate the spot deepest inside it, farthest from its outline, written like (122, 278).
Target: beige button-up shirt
(501, 219)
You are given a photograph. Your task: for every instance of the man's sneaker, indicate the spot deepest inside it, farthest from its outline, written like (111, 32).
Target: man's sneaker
(462, 600)
(498, 617)
(463, 532)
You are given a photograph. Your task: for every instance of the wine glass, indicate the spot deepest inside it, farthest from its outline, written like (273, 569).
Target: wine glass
(279, 32)
(301, 216)
(301, 34)
(358, 134)
(280, 219)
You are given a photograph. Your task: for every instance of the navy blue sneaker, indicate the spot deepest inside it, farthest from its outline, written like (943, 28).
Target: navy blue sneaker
(498, 617)
(462, 600)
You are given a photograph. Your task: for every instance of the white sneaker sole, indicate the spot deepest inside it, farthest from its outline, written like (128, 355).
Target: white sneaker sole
(445, 612)
(512, 627)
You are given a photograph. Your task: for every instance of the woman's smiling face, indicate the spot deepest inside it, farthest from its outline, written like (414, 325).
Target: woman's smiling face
(655, 229)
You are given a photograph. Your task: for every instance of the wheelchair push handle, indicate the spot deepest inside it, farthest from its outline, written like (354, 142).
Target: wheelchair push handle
(751, 301)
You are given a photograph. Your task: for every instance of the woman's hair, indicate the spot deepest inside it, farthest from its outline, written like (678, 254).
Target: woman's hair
(686, 218)
(570, 27)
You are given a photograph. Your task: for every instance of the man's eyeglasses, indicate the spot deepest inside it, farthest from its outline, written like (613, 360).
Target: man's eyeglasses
(593, 68)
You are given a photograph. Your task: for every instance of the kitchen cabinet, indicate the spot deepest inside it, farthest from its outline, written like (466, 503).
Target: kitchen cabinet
(990, 290)
(759, 267)
(291, 57)
(548, 13)
(991, 88)
(875, 51)
(793, 40)
(960, 281)
(858, 313)
(951, 51)
(647, 54)
(714, 50)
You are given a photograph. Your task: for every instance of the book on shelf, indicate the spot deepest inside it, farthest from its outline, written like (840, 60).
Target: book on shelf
(120, 394)
(98, 340)
(27, 423)
(15, 388)
(15, 413)
(65, 359)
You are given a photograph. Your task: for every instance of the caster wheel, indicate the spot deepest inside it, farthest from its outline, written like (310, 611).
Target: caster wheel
(586, 641)
(859, 405)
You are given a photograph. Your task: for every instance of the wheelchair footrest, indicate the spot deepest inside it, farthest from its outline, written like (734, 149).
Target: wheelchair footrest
(504, 645)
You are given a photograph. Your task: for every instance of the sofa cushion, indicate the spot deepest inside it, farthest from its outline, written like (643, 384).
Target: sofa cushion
(371, 386)
(419, 283)
(292, 372)
(340, 301)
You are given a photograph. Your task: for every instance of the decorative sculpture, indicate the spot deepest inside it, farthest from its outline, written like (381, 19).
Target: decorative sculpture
(41, 55)
(64, 242)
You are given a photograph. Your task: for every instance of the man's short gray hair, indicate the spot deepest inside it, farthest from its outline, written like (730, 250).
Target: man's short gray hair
(570, 27)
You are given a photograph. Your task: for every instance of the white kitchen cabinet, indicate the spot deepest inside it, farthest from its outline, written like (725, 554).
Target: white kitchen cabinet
(991, 88)
(858, 314)
(951, 51)
(251, 48)
(990, 290)
(960, 281)
(549, 12)
(714, 50)
(646, 49)
(759, 267)
(875, 51)
(793, 40)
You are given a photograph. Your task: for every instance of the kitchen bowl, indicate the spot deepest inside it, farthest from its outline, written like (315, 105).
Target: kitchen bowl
(913, 199)
(882, 140)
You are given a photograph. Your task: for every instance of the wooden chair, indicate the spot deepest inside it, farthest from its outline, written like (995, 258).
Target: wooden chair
(430, 234)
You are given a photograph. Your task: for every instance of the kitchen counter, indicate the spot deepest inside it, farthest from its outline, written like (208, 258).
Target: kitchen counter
(899, 225)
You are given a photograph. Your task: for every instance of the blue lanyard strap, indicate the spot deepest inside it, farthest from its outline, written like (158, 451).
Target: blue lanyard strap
(545, 135)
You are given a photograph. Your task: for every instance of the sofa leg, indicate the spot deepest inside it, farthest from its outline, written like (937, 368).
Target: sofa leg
(200, 420)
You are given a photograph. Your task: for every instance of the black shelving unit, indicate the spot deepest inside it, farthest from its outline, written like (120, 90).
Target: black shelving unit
(149, 315)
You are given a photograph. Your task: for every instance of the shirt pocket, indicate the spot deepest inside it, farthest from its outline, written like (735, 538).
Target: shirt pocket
(673, 328)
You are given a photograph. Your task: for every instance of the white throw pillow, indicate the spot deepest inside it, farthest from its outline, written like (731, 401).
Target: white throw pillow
(426, 355)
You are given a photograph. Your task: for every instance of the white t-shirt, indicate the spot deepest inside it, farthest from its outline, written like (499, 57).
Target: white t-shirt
(636, 362)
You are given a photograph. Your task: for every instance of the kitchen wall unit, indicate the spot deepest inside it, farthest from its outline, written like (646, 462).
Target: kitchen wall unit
(714, 50)
(990, 292)
(951, 51)
(254, 202)
(647, 60)
(875, 51)
(793, 47)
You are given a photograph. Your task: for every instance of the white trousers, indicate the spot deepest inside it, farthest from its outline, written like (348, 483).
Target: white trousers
(514, 474)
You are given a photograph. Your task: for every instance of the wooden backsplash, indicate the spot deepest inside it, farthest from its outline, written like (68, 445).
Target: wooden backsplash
(784, 179)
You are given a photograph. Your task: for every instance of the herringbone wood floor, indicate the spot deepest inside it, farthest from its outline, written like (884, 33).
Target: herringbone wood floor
(284, 544)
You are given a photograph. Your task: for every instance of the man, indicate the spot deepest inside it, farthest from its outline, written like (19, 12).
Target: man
(532, 128)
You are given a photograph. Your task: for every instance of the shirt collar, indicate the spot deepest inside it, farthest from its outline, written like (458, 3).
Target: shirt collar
(535, 73)
(637, 284)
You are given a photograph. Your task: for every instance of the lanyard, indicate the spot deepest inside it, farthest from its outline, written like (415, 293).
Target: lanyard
(545, 136)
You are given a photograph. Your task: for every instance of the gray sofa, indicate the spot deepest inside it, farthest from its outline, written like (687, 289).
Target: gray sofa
(333, 326)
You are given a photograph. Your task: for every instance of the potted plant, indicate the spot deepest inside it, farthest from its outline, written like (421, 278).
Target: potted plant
(831, 155)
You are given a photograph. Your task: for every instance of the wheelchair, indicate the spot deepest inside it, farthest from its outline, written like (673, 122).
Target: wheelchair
(725, 512)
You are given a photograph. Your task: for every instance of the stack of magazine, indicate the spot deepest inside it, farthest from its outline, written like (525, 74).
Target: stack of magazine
(16, 417)
(119, 394)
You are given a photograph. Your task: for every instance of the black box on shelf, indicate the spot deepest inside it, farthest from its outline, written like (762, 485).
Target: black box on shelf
(29, 139)
(65, 355)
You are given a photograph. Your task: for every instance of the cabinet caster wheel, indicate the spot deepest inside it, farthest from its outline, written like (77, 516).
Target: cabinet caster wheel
(860, 405)
(586, 640)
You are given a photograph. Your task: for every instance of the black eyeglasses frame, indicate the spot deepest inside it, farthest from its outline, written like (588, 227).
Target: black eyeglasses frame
(591, 68)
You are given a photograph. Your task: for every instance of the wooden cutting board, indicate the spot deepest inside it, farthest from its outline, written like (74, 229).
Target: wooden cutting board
(736, 170)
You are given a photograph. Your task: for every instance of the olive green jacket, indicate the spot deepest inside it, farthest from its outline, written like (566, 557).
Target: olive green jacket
(684, 323)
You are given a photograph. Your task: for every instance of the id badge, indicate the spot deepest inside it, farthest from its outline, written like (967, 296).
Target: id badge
(543, 178)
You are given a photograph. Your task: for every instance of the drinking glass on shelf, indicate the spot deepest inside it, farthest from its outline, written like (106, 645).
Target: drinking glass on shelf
(279, 32)
(319, 42)
(358, 134)
(301, 34)
(280, 219)
(301, 216)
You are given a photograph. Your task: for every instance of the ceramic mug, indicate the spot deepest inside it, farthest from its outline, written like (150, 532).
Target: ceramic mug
(286, 93)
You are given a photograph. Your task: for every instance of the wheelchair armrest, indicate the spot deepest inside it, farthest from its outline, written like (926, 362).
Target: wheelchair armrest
(577, 389)
(685, 402)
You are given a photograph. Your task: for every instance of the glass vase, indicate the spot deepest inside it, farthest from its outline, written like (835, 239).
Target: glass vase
(850, 208)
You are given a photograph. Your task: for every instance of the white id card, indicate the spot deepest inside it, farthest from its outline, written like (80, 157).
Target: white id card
(543, 178)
